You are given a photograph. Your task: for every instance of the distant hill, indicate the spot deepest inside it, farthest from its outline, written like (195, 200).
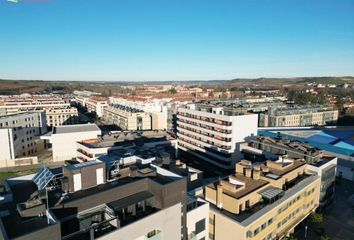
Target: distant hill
(8, 87)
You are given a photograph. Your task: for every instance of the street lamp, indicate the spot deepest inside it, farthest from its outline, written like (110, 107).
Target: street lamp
(306, 231)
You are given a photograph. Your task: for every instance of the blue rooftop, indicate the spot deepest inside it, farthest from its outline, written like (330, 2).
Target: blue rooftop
(322, 140)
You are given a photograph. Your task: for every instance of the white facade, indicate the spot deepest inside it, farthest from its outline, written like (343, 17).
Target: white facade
(64, 138)
(195, 218)
(214, 135)
(166, 224)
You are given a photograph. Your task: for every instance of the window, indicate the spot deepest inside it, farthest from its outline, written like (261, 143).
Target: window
(263, 226)
(256, 231)
(200, 226)
(270, 221)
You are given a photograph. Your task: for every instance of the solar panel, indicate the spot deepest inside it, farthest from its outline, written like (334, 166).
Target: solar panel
(42, 178)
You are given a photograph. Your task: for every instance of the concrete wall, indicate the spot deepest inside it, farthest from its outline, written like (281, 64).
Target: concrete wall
(6, 143)
(168, 221)
(195, 215)
(64, 144)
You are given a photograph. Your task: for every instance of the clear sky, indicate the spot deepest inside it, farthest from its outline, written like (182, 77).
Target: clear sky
(139, 40)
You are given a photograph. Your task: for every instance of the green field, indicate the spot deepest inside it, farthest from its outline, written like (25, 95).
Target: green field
(6, 175)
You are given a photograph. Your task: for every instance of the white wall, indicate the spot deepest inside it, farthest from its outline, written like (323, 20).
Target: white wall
(244, 126)
(64, 144)
(168, 221)
(6, 144)
(195, 215)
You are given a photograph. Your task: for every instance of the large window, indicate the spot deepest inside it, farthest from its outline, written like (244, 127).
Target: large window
(200, 226)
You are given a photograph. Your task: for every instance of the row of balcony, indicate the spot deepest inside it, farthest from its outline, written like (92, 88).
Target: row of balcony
(205, 126)
(183, 133)
(207, 134)
(206, 119)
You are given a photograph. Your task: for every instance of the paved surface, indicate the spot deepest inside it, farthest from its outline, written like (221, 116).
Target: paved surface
(338, 222)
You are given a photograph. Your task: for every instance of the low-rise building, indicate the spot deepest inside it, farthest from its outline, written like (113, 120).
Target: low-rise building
(17, 104)
(19, 136)
(63, 139)
(93, 103)
(128, 118)
(213, 133)
(299, 117)
(57, 109)
(262, 201)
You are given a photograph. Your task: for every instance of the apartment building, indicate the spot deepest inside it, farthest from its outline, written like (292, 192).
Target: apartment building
(128, 118)
(62, 116)
(144, 201)
(93, 103)
(63, 139)
(57, 109)
(16, 104)
(262, 201)
(19, 135)
(298, 117)
(143, 103)
(322, 164)
(213, 134)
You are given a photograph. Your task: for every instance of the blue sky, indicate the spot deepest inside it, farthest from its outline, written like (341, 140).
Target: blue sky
(139, 40)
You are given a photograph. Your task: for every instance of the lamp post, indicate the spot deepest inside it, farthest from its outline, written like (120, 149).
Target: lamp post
(306, 231)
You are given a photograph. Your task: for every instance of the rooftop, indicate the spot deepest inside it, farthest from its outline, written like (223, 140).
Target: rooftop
(76, 128)
(216, 109)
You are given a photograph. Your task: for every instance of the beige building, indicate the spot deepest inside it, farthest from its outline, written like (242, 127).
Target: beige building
(96, 104)
(158, 120)
(264, 201)
(127, 118)
(298, 117)
(61, 116)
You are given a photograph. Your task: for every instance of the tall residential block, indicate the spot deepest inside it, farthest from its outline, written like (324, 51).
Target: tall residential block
(214, 133)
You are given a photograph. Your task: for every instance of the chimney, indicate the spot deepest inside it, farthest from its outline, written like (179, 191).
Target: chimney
(239, 168)
(219, 194)
(248, 172)
(256, 174)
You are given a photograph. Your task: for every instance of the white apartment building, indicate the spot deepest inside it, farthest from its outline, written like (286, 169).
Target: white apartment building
(93, 104)
(19, 134)
(298, 117)
(156, 107)
(213, 134)
(64, 138)
(146, 104)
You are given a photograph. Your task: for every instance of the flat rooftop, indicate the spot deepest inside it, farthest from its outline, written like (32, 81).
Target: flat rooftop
(227, 111)
(335, 139)
(251, 214)
(75, 128)
(126, 139)
(251, 186)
